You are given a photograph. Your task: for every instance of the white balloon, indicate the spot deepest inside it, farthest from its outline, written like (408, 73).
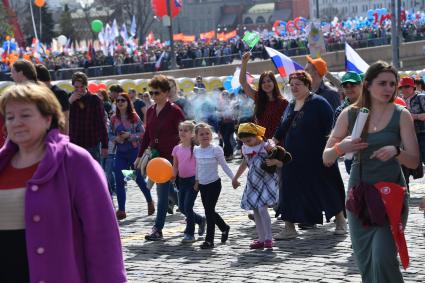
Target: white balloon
(62, 39)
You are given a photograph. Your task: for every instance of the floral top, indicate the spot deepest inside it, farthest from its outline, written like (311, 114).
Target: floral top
(416, 105)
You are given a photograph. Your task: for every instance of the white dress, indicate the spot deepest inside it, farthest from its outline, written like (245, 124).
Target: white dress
(262, 188)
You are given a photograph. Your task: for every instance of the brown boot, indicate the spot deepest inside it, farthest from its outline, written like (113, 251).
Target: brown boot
(151, 208)
(121, 214)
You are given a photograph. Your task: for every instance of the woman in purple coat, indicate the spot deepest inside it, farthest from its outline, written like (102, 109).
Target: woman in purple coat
(57, 222)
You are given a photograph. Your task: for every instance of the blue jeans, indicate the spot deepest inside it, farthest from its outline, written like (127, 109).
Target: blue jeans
(124, 160)
(108, 166)
(187, 197)
(163, 192)
(421, 141)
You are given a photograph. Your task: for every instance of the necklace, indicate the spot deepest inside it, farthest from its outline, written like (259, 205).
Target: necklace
(374, 126)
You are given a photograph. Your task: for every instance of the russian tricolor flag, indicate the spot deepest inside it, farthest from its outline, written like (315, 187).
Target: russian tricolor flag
(284, 65)
(178, 3)
(353, 61)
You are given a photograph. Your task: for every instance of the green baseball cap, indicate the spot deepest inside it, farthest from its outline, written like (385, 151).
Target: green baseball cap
(351, 77)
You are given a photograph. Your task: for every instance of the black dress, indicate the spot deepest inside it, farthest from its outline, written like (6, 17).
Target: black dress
(308, 188)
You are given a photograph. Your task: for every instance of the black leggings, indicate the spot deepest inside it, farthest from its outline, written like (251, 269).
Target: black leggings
(209, 196)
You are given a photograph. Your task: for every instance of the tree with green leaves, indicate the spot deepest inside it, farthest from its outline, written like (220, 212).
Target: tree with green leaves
(45, 27)
(66, 24)
(5, 28)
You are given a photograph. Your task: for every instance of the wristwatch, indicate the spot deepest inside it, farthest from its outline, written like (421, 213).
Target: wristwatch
(398, 151)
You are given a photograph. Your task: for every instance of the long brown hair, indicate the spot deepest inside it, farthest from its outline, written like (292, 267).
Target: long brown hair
(131, 114)
(365, 99)
(262, 98)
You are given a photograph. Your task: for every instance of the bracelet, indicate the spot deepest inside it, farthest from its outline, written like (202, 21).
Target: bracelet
(398, 151)
(337, 149)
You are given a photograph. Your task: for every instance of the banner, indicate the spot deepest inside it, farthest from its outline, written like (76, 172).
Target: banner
(188, 38)
(207, 35)
(178, 36)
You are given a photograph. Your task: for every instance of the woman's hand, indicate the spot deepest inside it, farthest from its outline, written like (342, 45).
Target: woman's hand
(245, 57)
(125, 135)
(385, 153)
(347, 145)
(235, 183)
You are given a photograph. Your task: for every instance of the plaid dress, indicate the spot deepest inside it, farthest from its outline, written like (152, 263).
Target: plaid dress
(261, 187)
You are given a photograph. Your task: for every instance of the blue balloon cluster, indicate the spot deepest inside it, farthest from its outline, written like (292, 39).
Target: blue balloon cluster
(227, 84)
(9, 46)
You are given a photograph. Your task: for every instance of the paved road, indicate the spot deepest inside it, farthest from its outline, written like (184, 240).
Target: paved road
(316, 256)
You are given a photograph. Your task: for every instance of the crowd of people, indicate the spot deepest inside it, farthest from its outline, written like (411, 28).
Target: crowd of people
(64, 157)
(200, 53)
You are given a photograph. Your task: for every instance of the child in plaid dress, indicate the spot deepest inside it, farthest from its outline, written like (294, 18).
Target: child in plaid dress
(261, 190)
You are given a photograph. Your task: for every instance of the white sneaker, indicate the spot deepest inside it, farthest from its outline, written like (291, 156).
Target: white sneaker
(340, 229)
(286, 234)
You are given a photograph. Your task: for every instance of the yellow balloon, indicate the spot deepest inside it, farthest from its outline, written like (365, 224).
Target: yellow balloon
(66, 85)
(186, 84)
(4, 85)
(213, 83)
(140, 84)
(126, 84)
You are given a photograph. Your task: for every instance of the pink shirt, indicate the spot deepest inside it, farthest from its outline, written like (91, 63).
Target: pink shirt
(186, 161)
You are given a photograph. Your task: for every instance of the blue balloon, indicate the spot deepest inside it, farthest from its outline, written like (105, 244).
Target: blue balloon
(227, 84)
(370, 13)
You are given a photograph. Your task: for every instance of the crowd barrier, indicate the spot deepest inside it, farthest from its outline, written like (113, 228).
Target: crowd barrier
(186, 84)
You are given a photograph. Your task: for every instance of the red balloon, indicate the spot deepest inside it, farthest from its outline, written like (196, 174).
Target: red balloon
(290, 26)
(101, 86)
(159, 7)
(93, 88)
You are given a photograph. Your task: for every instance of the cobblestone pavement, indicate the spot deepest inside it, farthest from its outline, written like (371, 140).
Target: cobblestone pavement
(316, 256)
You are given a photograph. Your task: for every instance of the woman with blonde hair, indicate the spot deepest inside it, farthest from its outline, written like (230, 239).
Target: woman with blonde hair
(49, 186)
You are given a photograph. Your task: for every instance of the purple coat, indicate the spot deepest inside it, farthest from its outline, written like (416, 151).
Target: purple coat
(72, 233)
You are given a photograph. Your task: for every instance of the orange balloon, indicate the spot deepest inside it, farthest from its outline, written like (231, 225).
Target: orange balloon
(39, 3)
(159, 170)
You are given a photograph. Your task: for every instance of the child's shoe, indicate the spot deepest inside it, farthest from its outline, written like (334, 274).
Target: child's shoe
(256, 244)
(268, 244)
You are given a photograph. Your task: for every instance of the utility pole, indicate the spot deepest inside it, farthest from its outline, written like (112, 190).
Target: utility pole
(395, 32)
(317, 9)
(170, 31)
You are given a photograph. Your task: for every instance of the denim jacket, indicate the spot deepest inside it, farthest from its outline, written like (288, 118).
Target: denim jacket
(416, 105)
(135, 128)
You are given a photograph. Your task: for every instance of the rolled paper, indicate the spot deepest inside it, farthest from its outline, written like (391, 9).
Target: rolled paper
(358, 128)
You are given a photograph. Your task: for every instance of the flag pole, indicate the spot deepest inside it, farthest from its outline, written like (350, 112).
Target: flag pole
(170, 31)
(33, 22)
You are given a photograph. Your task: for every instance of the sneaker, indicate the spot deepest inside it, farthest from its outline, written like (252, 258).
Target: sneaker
(256, 244)
(225, 235)
(121, 214)
(268, 244)
(286, 234)
(155, 235)
(201, 227)
(340, 229)
(306, 226)
(188, 239)
(206, 246)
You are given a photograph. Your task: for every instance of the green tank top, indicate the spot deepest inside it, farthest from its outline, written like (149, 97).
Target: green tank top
(374, 170)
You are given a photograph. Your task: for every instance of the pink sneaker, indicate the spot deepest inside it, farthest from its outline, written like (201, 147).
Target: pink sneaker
(256, 245)
(268, 244)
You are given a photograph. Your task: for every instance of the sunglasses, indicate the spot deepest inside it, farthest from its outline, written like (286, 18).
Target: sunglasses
(346, 85)
(121, 100)
(156, 92)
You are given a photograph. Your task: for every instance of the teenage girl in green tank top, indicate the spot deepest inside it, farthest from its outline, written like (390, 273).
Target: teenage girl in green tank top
(388, 127)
